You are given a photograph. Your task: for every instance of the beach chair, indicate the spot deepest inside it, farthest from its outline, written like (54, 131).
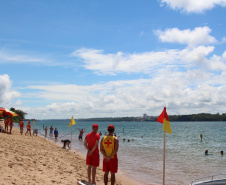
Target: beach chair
(83, 182)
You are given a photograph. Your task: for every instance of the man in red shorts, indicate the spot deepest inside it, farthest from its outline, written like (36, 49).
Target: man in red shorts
(21, 126)
(92, 158)
(6, 124)
(11, 124)
(109, 148)
(28, 128)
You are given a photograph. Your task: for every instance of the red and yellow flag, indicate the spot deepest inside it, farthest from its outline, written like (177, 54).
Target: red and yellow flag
(164, 119)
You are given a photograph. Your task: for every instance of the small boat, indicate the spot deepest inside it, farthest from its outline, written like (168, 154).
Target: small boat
(211, 180)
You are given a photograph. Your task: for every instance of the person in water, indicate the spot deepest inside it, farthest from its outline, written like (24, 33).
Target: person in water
(201, 136)
(81, 133)
(56, 133)
(109, 148)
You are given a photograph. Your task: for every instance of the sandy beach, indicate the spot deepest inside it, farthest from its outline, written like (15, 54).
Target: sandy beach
(35, 160)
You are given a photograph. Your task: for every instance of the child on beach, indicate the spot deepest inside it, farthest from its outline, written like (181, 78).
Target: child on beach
(66, 143)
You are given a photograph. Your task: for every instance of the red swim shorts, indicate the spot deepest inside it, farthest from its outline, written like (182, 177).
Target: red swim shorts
(111, 165)
(93, 159)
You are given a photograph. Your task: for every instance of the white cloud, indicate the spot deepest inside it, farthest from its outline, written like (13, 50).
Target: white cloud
(195, 6)
(148, 63)
(198, 36)
(6, 93)
(190, 91)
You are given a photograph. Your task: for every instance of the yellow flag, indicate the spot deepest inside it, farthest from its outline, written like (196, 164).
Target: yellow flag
(34, 121)
(72, 122)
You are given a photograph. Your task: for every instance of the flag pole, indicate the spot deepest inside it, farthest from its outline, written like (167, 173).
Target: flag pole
(71, 133)
(164, 159)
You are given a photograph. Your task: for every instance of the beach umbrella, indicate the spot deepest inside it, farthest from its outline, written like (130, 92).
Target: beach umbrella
(6, 112)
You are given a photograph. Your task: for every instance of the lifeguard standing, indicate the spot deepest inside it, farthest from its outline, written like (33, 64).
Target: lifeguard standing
(21, 126)
(28, 128)
(6, 124)
(11, 124)
(109, 148)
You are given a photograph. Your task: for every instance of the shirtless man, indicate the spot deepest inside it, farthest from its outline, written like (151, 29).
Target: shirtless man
(81, 134)
(109, 147)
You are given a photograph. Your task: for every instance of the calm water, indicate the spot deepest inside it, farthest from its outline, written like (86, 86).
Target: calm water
(141, 159)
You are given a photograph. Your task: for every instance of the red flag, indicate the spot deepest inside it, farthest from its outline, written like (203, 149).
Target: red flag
(164, 119)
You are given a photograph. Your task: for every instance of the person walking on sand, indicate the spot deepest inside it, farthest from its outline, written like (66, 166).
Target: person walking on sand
(46, 130)
(10, 125)
(28, 128)
(81, 134)
(6, 124)
(109, 147)
(92, 158)
(21, 123)
(56, 133)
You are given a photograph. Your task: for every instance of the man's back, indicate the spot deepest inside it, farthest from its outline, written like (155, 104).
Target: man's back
(91, 138)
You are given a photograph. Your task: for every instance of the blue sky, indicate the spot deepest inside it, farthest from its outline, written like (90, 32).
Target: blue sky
(112, 58)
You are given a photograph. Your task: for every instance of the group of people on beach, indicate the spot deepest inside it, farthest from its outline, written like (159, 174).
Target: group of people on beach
(8, 125)
(56, 132)
(108, 147)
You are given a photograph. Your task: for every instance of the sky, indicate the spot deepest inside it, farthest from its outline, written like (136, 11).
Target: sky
(112, 58)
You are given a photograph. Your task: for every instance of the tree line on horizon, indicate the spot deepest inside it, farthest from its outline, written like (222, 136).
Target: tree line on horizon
(191, 117)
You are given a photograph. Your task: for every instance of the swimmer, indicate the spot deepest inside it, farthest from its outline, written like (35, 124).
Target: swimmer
(201, 136)
(207, 152)
(222, 153)
(124, 140)
(128, 140)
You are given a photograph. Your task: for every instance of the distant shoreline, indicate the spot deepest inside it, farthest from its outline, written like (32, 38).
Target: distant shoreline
(173, 118)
